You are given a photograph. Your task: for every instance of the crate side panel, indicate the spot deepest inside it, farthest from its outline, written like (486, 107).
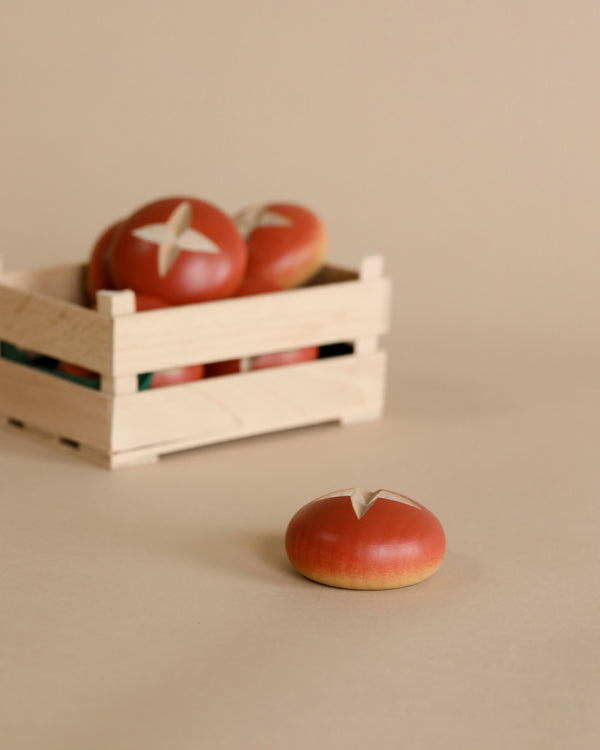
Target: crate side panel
(55, 328)
(55, 405)
(247, 326)
(235, 406)
(65, 282)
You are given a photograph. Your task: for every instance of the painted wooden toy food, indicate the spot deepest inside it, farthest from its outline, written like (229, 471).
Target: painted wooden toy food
(97, 272)
(180, 250)
(287, 243)
(357, 539)
(80, 372)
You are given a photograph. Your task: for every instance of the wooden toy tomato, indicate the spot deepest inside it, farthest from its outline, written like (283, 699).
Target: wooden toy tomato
(97, 271)
(70, 369)
(357, 539)
(143, 303)
(181, 250)
(286, 243)
(177, 375)
(248, 288)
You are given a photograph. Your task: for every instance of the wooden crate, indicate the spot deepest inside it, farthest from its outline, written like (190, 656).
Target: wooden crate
(42, 310)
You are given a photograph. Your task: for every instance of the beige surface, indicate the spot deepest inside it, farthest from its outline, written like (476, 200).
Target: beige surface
(154, 608)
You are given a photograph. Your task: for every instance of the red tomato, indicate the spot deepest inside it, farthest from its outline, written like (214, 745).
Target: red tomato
(180, 250)
(290, 357)
(143, 303)
(177, 375)
(286, 243)
(228, 367)
(71, 369)
(97, 271)
(358, 539)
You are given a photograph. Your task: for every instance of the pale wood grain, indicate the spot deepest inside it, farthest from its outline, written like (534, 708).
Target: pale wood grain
(69, 447)
(234, 406)
(55, 405)
(371, 268)
(113, 304)
(119, 302)
(55, 328)
(119, 386)
(149, 424)
(233, 328)
(121, 426)
(65, 282)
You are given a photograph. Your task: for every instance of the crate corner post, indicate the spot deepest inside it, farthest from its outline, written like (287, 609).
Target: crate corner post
(112, 304)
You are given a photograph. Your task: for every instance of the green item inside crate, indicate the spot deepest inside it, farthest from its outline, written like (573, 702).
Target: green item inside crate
(48, 365)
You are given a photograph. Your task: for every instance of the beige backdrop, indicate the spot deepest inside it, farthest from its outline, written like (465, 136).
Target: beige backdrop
(155, 608)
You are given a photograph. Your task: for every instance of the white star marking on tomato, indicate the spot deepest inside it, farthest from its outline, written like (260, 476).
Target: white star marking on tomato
(174, 236)
(259, 216)
(272, 219)
(363, 499)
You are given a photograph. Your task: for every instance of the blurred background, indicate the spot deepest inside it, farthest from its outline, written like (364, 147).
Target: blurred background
(457, 138)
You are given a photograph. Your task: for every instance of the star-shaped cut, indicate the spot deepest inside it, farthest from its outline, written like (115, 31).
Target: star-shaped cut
(174, 236)
(363, 499)
(259, 216)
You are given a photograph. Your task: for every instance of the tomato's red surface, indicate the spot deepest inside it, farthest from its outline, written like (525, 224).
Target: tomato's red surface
(181, 250)
(397, 542)
(177, 375)
(71, 369)
(287, 243)
(97, 272)
(143, 303)
(291, 357)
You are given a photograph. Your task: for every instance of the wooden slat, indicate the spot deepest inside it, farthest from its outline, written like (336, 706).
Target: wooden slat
(371, 268)
(55, 328)
(215, 331)
(112, 304)
(75, 450)
(349, 388)
(63, 282)
(55, 405)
